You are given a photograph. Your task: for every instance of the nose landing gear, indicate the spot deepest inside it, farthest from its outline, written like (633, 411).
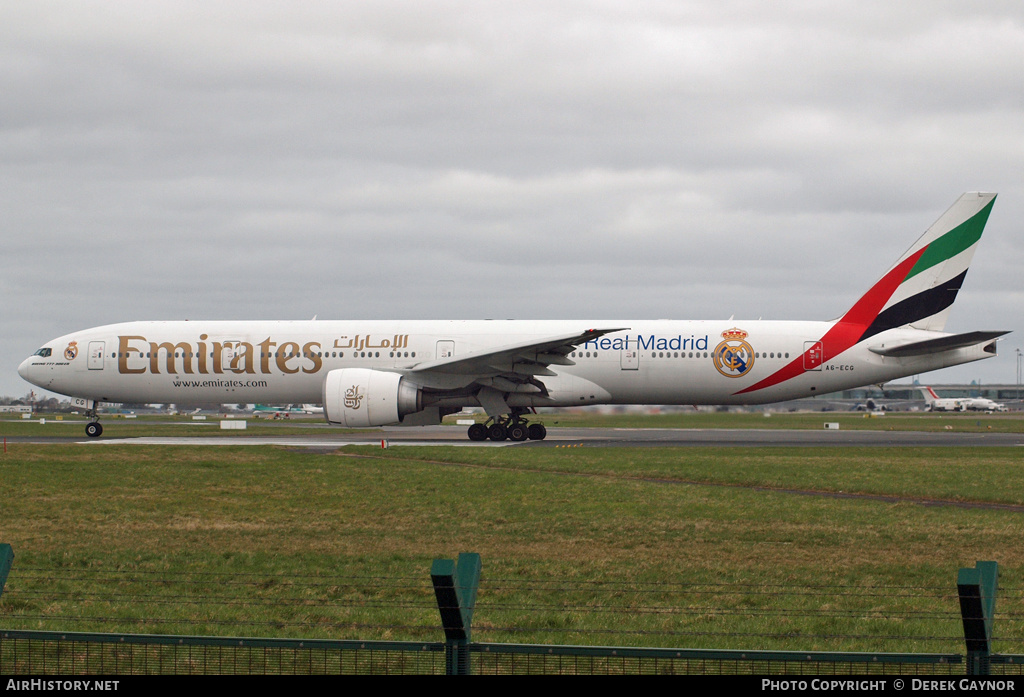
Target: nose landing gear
(93, 429)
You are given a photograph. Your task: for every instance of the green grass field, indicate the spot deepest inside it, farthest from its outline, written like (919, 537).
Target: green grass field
(829, 549)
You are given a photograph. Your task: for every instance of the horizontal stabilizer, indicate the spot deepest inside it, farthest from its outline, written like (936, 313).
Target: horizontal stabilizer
(945, 343)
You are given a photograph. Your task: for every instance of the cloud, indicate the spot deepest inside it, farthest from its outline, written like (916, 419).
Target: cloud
(459, 159)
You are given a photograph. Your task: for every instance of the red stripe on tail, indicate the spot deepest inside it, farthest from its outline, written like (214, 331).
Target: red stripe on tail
(850, 327)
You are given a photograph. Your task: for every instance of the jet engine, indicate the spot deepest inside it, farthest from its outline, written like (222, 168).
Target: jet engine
(361, 397)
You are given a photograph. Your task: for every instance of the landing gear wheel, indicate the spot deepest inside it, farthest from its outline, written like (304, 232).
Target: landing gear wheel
(94, 429)
(518, 431)
(507, 426)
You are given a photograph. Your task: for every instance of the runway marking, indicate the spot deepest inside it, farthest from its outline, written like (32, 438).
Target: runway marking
(294, 442)
(568, 437)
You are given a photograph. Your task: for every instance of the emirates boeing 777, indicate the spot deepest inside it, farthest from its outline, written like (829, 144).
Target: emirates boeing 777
(376, 373)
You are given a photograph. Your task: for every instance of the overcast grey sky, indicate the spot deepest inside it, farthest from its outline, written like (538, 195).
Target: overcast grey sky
(243, 160)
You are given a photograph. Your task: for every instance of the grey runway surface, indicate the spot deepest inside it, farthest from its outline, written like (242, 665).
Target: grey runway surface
(592, 437)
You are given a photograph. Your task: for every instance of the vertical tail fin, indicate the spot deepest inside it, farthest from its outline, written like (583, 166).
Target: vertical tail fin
(917, 290)
(929, 395)
(920, 287)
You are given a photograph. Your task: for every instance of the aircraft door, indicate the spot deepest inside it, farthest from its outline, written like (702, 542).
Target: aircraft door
(813, 355)
(230, 354)
(96, 355)
(629, 359)
(445, 349)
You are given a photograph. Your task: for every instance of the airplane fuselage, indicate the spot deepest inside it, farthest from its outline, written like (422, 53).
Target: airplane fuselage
(651, 362)
(373, 373)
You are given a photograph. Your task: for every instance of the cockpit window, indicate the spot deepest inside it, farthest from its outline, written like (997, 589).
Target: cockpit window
(43, 352)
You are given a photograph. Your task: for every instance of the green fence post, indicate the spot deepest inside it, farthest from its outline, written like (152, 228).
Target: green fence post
(6, 561)
(455, 587)
(977, 590)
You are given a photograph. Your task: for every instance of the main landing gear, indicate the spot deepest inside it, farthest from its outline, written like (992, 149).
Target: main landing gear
(507, 426)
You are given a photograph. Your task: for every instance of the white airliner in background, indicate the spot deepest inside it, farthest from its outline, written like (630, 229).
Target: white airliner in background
(375, 373)
(287, 409)
(983, 404)
(937, 403)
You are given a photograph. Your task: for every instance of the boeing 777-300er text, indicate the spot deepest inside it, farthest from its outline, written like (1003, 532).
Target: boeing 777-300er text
(376, 373)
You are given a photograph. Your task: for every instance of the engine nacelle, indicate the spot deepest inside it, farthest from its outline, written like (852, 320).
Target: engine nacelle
(361, 397)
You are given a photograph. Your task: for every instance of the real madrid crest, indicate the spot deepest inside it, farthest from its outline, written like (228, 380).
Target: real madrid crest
(71, 351)
(734, 357)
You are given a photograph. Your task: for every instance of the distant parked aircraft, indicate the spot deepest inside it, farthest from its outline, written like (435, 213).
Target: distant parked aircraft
(936, 403)
(873, 406)
(289, 409)
(982, 404)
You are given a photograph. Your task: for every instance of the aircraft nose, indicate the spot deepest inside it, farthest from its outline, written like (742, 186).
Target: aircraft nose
(24, 369)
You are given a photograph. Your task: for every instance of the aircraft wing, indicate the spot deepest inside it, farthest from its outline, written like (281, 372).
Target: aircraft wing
(506, 368)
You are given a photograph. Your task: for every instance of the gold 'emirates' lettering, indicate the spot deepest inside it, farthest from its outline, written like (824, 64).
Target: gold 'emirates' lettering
(123, 349)
(313, 355)
(215, 357)
(171, 351)
(202, 353)
(286, 352)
